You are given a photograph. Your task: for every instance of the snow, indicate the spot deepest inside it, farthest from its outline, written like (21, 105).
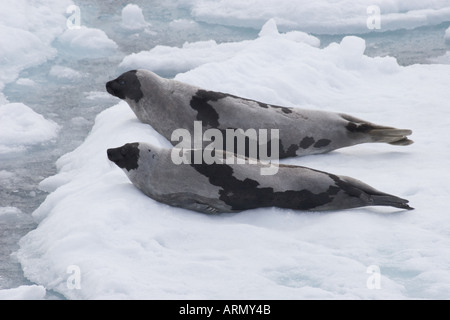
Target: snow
(183, 24)
(27, 33)
(94, 95)
(447, 35)
(165, 59)
(133, 18)
(86, 42)
(32, 52)
(64, 73)
(322, 16)
(182, 59)
(125, 245)
(26, 42)
(7, 212)
(31, 292)
(445, 58)
(22, 127)
(11, 216)
(26, 82)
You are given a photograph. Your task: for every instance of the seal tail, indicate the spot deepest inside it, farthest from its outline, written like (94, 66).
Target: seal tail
(377, 133)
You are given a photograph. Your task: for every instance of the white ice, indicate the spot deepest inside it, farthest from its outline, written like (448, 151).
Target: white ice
(27, 31)
(22, 127)
(64, 73)
(447, 35)
(86, 42)
(322, 16)
(26, 82)
(445, 58)
(133, 18)
(31, 292)
(128, 246)
(165, 59)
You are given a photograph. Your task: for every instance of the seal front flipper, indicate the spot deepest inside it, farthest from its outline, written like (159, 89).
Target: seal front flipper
(202, 207)
(195, 202)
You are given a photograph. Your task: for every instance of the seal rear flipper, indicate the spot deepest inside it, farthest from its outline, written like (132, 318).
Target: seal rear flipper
(389, 200)
(377, 133)
(370, 195)
(391, 135)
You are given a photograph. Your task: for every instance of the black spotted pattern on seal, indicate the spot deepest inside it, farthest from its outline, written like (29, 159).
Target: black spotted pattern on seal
(362, 128)
(126, 86)
(246, 194)
(205, 112)
(322, 143)
(125, 157)
(287, 152)
(282, 151)
(304, 144)
(266, 106)
(284, 109)
(307, 142)
(209, 116)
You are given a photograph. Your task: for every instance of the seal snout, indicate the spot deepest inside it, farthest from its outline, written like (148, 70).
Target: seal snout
(114, 155)
(125, 157)
(110, 88)
(126, 87)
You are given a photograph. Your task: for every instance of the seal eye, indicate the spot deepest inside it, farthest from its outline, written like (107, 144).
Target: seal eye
(122, 82)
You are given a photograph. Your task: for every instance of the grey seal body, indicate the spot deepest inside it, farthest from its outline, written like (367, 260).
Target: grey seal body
(168, 105)
(220, 187)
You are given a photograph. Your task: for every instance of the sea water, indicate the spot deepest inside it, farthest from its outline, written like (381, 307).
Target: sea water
(74, 101)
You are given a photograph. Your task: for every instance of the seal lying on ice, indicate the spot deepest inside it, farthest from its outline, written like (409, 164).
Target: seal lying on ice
(221, 187)
(168, 105)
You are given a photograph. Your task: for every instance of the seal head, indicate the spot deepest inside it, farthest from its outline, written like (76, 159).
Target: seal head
(125, 157)
(127, 86)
